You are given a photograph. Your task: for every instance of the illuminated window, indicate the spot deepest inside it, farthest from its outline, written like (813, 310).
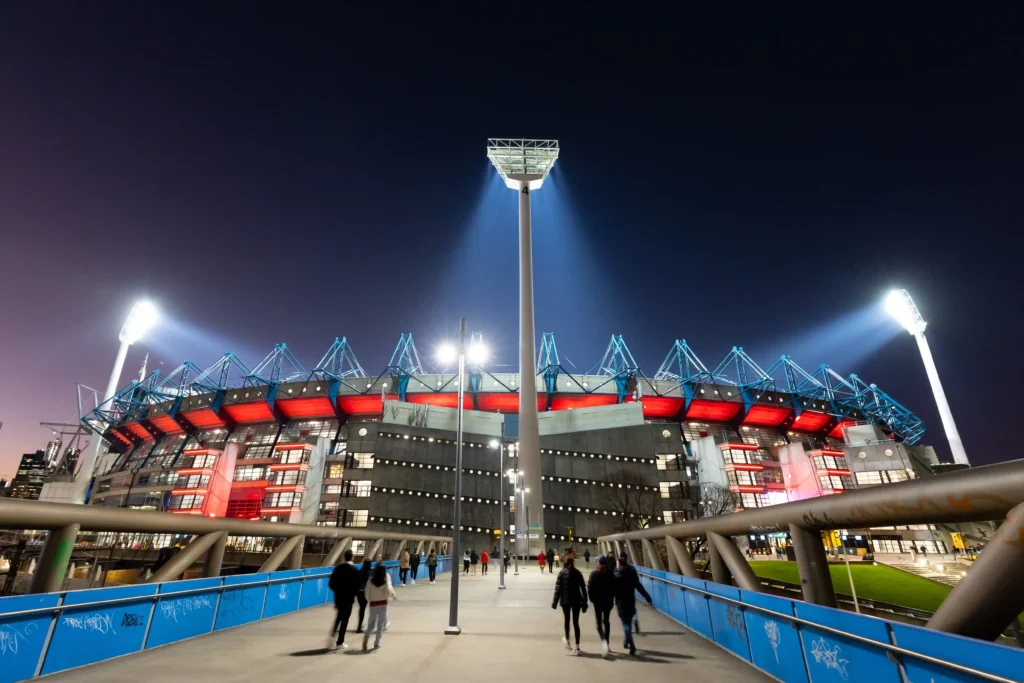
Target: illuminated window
(669, 462)
(354, 518)
(288, 478)
(335, 471)
(285, 499)
(193, 481)
(363, 461)
(253, 473)
(187, 502)
(356, 489)
(253, 452)
(672, 489)
(835, 483)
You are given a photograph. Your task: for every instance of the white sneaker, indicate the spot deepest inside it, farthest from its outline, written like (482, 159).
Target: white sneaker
(576, 652)
(606, 651)
(344, 646)
(413, 583)
(565, 641)
(387, 626)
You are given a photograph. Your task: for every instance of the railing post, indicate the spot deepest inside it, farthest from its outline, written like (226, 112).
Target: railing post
(719, 569)
(677, 551)
(53, 561)
(734, 560)
(811, 562)
(652, 558)
(215, 557)
(185, 557)
(332, 557)
(295, 559)
(992, 594)
(278, 556)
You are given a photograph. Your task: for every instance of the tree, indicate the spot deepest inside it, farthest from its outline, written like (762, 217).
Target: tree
(715, 500)
(634, 507)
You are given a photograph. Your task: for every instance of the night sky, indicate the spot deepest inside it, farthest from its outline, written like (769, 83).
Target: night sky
(272, 173)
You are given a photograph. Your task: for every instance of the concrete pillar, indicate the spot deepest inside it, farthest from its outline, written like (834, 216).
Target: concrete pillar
(678, 552)
(53, 561)
(295, 558)
(31, 566)
(419, 547)
(992, 594)
(215, 557)
(631, 551)
(397, 555)
(719, 569)
(278, 557)
(334, 557)
(374, 552)
(618, 550)
(734, 560)
(184, 558)
(812, 563)
(652, 558)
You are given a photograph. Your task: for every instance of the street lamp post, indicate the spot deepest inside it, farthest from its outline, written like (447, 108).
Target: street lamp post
(901, 307)
(523, 165)
(141, 318)
(503, 502)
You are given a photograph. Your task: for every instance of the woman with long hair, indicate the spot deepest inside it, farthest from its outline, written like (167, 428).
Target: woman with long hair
(378, 592)
(571, 593)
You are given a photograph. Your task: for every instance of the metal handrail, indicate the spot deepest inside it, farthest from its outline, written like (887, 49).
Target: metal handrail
(885, 646)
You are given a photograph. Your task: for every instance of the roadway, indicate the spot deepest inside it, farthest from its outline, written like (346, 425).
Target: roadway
(510, 635)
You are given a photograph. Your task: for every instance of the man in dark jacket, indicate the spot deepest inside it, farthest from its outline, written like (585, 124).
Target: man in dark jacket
(586, 556)
(627, 582)
(414, 565)
(571, 593)
(601, 587)
(550, 557)
(344, 582)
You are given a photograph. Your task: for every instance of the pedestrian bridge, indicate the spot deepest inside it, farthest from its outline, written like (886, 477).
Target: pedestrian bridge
(275, 627)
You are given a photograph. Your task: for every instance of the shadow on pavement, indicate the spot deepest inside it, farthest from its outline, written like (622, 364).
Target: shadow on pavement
(310, 653)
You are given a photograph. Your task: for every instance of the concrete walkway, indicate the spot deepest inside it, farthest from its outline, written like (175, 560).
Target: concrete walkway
(510, 635)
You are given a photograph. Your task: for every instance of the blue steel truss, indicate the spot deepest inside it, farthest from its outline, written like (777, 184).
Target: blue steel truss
(404, 363)
(618, 364)
(802, 386)
(749, 378)
(280, 365)
(227, 371)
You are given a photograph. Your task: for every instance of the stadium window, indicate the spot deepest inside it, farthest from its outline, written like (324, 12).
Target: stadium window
(672, 489)
(354, 518)
(335, 471)
(356, 489)
(668, 462)
(363, 461)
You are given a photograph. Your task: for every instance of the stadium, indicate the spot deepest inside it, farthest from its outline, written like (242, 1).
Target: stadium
(620, 449)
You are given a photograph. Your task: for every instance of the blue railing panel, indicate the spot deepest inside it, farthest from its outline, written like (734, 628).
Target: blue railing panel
(241, 605)
(22, 638)
(187, 616)
(676, 600)
(831, 657)
(727, 620)
(697, 610)
(774, 641)
(283, 597)
(94, 633)
(988, 657)
(314, 587)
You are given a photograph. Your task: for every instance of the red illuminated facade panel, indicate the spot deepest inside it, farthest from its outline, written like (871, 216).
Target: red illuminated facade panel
(166, 424)
(204, 483)
(810, 421)
(257, 411)
(767, 416)
(203, 418)
(305, 408)
(713, 411)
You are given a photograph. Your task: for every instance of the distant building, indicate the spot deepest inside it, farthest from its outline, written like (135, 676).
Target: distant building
(3, 488)
(28, 482)
(53, 452)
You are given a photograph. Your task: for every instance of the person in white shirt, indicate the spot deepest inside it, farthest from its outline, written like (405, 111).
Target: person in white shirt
(378, 591)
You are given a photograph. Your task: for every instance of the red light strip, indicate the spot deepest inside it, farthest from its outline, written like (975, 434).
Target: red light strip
(748, 489)
(287, 487)
(838, 473)
(282, 509)
(741, 446)
(831, 452)
(186, 492)
(200, 451)
(196, 470)
(293, 447)
(288, 467)
(744, 467)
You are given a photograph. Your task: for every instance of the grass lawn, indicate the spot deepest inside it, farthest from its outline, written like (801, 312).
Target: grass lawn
(873, 582)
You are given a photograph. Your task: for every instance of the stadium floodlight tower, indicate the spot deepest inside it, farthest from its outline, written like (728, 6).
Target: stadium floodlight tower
(900, 306)
(523, 165)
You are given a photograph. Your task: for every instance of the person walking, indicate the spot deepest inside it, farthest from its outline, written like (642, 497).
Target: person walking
(627, 583)
(601, 587)
(540, 560)
(586, 556)
(465, 563)
(506, 559)
(432, 565)
(484, 559)
(414, 566)
(344, 582)
(403, 567)
(378, 592)
(364, 576)
(551, 561)
(473, 560)
(571, 594)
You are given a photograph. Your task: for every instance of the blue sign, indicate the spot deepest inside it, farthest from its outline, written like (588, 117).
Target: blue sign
(727, 620)
(91, 634)
(774, 641)
(22, 638)
(241, 605)
(187, 616)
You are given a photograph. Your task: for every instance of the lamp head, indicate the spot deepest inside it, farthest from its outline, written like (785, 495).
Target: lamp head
(142, 317)
(477, 354)
(447, 354)
(901, 308)
(493, 443)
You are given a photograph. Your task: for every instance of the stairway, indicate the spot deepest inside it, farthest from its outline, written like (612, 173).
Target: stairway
(950, 575)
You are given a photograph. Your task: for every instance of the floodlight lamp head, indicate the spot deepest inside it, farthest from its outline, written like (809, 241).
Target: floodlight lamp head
(447, 354)
(522, 161)
(477, 354)
(901, 307)
(142, 317)
(493, 443)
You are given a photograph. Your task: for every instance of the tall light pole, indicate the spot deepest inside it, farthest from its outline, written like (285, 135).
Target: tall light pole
(900, 306)
(142, 317)
(523, 165)
(477, 355)
(503, 502)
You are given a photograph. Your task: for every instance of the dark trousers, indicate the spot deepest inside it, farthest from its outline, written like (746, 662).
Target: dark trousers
(403, 573)
(484, 565)
(361, 597)
(432, 571)
(551, 567)
(414, 569)
(344, 611)
(603, 616)
(627, 629)
(575, 611)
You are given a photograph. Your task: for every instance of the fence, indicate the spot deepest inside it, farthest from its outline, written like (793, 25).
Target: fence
(49, 632)
(798, 642)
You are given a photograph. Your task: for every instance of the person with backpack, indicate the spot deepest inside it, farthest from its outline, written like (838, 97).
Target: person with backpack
(627, 583)
(571, 594)
(378, 592)
(432, 565)
(414, 566)
(601, 587)
(344, 582)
